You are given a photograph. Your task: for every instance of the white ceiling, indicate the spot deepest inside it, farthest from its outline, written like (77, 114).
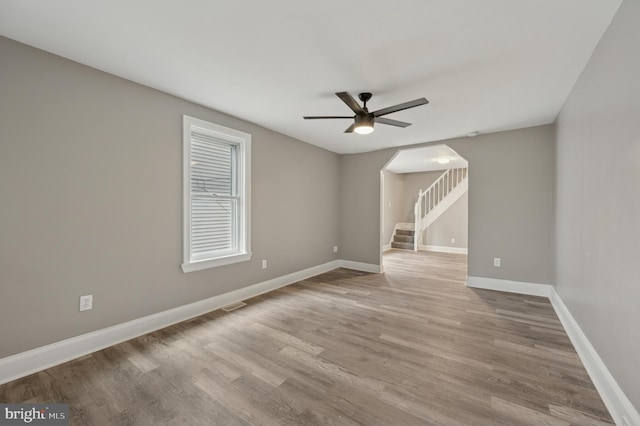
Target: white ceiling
(425, 159)
(485, 66)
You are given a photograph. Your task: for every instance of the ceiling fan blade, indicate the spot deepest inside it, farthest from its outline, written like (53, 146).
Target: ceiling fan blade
(351, 103)
(322, 117)
(390, 122)
(400, 107)
(350, 128)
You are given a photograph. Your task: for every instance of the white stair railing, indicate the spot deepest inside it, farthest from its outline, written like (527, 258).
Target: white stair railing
(432, 196)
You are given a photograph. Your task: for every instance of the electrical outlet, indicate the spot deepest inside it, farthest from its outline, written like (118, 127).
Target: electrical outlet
(86, 302)
(453, 240)
(335, 249)
(264, 264)
(496, 262)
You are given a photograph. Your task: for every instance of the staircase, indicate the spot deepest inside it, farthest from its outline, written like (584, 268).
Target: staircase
(441, 195)
(432, 202)
(403, 239)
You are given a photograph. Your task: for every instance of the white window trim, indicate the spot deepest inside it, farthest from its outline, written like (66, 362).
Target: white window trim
(243, 152)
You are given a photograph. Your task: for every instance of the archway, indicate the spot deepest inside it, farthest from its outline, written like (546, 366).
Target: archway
(435, 177)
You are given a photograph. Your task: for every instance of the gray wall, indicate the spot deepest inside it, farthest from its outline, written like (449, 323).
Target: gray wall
(511, 181)
(392, 208)
(360, 224)
(598, 203)
(90, 186)
(451, 224)
(413, 183)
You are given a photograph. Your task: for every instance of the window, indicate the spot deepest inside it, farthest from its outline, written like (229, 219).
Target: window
(216, 186)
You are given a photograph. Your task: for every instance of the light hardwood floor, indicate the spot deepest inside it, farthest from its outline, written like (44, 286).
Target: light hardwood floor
(413, 346)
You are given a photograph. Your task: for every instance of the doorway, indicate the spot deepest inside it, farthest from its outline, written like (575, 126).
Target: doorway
(432, 181)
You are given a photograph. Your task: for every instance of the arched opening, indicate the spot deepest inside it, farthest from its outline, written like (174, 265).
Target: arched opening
(424, 202)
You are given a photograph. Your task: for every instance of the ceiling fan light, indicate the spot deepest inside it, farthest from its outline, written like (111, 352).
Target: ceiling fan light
(364, 124)
(363, 129)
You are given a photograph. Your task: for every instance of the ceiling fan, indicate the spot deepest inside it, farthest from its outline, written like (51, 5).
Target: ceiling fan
(363, 120)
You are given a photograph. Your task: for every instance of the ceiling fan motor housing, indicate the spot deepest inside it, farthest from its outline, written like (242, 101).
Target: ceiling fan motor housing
(364, 119)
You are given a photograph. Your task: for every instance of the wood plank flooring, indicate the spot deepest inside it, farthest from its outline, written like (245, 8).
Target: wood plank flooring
(413, 346)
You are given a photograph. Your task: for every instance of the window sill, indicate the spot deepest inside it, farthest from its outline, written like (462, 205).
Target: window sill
(212, 263)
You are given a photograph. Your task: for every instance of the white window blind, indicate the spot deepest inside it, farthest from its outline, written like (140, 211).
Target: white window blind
(216, 189)
(213, 196)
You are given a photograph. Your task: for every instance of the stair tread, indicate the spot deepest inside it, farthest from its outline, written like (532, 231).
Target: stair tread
(403, 239)
(406, 246)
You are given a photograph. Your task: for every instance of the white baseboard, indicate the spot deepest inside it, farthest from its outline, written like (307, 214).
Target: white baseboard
(531, 289)
(619, 406)
(386, 247)
(29, 362)
(444, 249)
(359, 266)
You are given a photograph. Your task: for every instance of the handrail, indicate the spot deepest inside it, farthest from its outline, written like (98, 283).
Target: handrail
(428, 199)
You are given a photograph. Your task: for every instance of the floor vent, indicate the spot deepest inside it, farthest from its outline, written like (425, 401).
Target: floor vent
(233, 306)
